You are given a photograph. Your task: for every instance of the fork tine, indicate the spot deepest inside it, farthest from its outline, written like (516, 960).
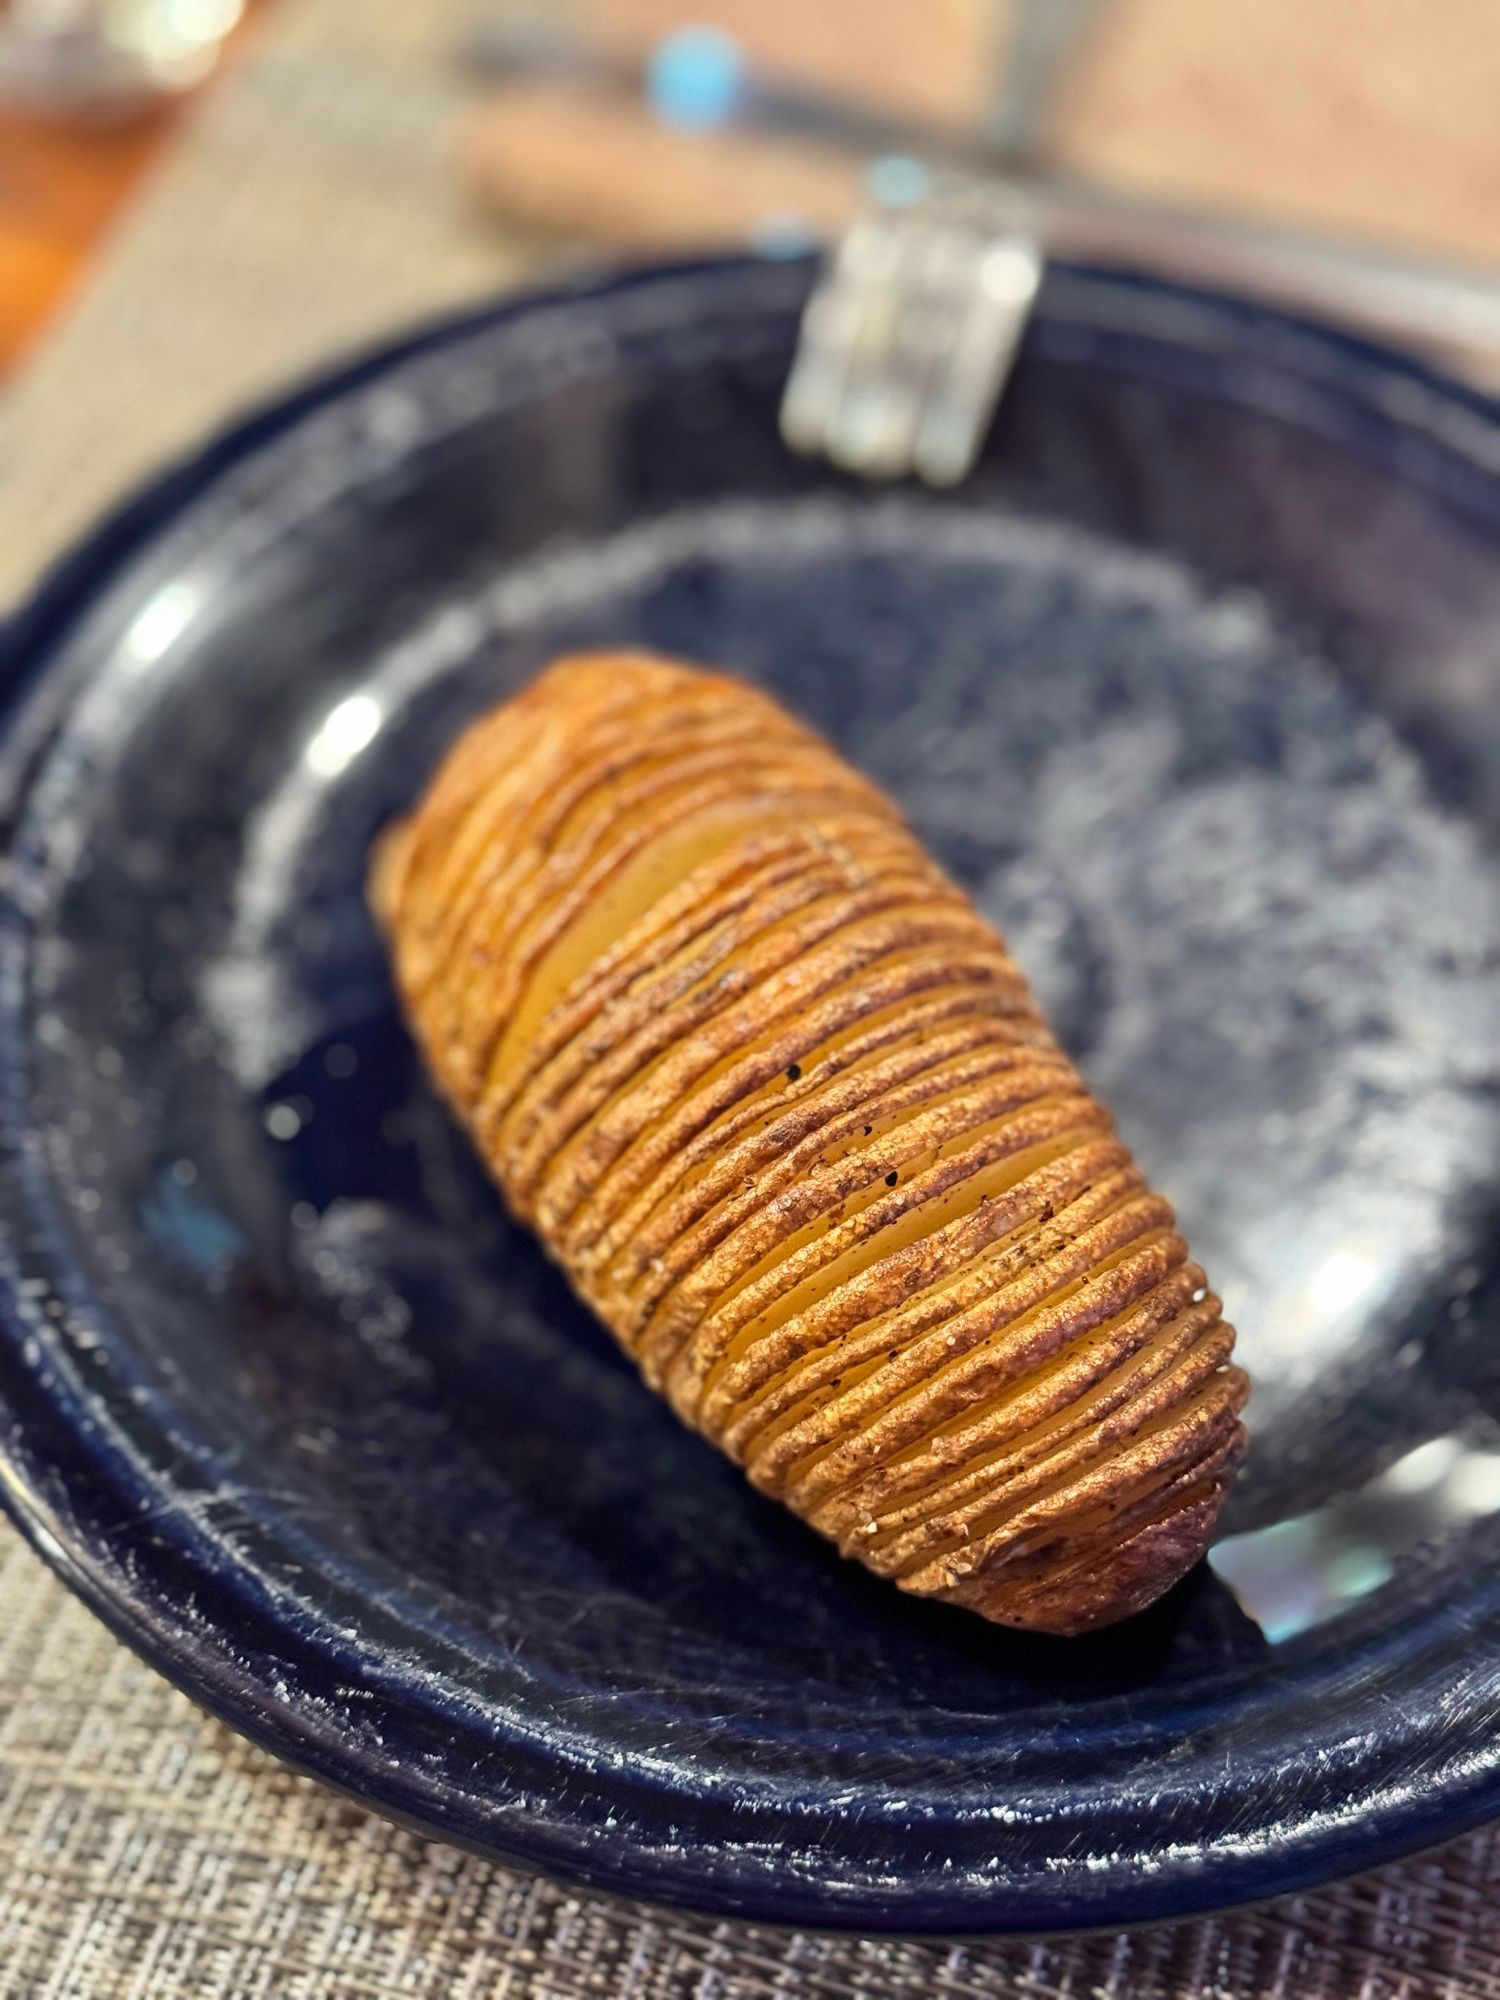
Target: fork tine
(839, 324)
(874, 426)
(907, 341)
(958, 412)
(816, 383)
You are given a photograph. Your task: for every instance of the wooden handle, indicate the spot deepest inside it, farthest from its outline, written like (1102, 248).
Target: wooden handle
(564, 161)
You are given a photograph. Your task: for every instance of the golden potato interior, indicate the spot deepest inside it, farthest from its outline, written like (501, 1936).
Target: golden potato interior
(780, 1104)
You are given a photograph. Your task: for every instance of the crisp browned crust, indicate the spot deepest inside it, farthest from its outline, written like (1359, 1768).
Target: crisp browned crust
(782, 1107)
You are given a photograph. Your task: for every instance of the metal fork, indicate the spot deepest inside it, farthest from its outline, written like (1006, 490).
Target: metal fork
(909, 337)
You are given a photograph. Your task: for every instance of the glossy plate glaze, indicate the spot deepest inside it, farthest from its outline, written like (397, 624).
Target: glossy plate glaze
(1197, 685)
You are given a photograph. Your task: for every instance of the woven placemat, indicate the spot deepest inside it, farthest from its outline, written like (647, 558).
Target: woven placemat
(145, 1852)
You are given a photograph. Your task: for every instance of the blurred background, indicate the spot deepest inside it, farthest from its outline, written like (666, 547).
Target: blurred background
(200, 198)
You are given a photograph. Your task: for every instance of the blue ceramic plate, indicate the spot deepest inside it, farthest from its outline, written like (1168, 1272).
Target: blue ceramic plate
(1197, 686)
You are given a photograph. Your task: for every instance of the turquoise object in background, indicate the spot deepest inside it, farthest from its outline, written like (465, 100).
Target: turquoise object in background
(695, 78)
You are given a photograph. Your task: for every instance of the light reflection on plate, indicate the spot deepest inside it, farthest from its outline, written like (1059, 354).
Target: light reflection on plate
(1302, 1571)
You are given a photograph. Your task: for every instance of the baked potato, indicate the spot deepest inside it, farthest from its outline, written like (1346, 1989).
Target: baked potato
(778, 1101)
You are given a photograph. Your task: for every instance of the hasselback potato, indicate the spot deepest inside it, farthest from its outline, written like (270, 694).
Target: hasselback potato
(775, 1097)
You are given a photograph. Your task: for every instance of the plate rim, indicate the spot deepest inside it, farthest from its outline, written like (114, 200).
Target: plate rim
(31, 637)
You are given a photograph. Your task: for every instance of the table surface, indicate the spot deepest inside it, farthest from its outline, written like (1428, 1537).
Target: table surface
(145, 1852)
(59, 190)
(63, 184)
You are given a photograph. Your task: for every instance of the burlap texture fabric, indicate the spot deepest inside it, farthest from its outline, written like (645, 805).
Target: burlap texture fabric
(145, 1852)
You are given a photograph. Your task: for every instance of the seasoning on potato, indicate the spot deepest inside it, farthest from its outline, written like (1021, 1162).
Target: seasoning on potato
(779, 1103)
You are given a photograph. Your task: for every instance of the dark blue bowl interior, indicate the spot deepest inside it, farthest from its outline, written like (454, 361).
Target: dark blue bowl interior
(1196, 686)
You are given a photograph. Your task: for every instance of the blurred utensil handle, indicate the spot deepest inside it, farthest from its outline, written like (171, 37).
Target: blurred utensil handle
(1384, 293)
(698, 79)
(1035, 50)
